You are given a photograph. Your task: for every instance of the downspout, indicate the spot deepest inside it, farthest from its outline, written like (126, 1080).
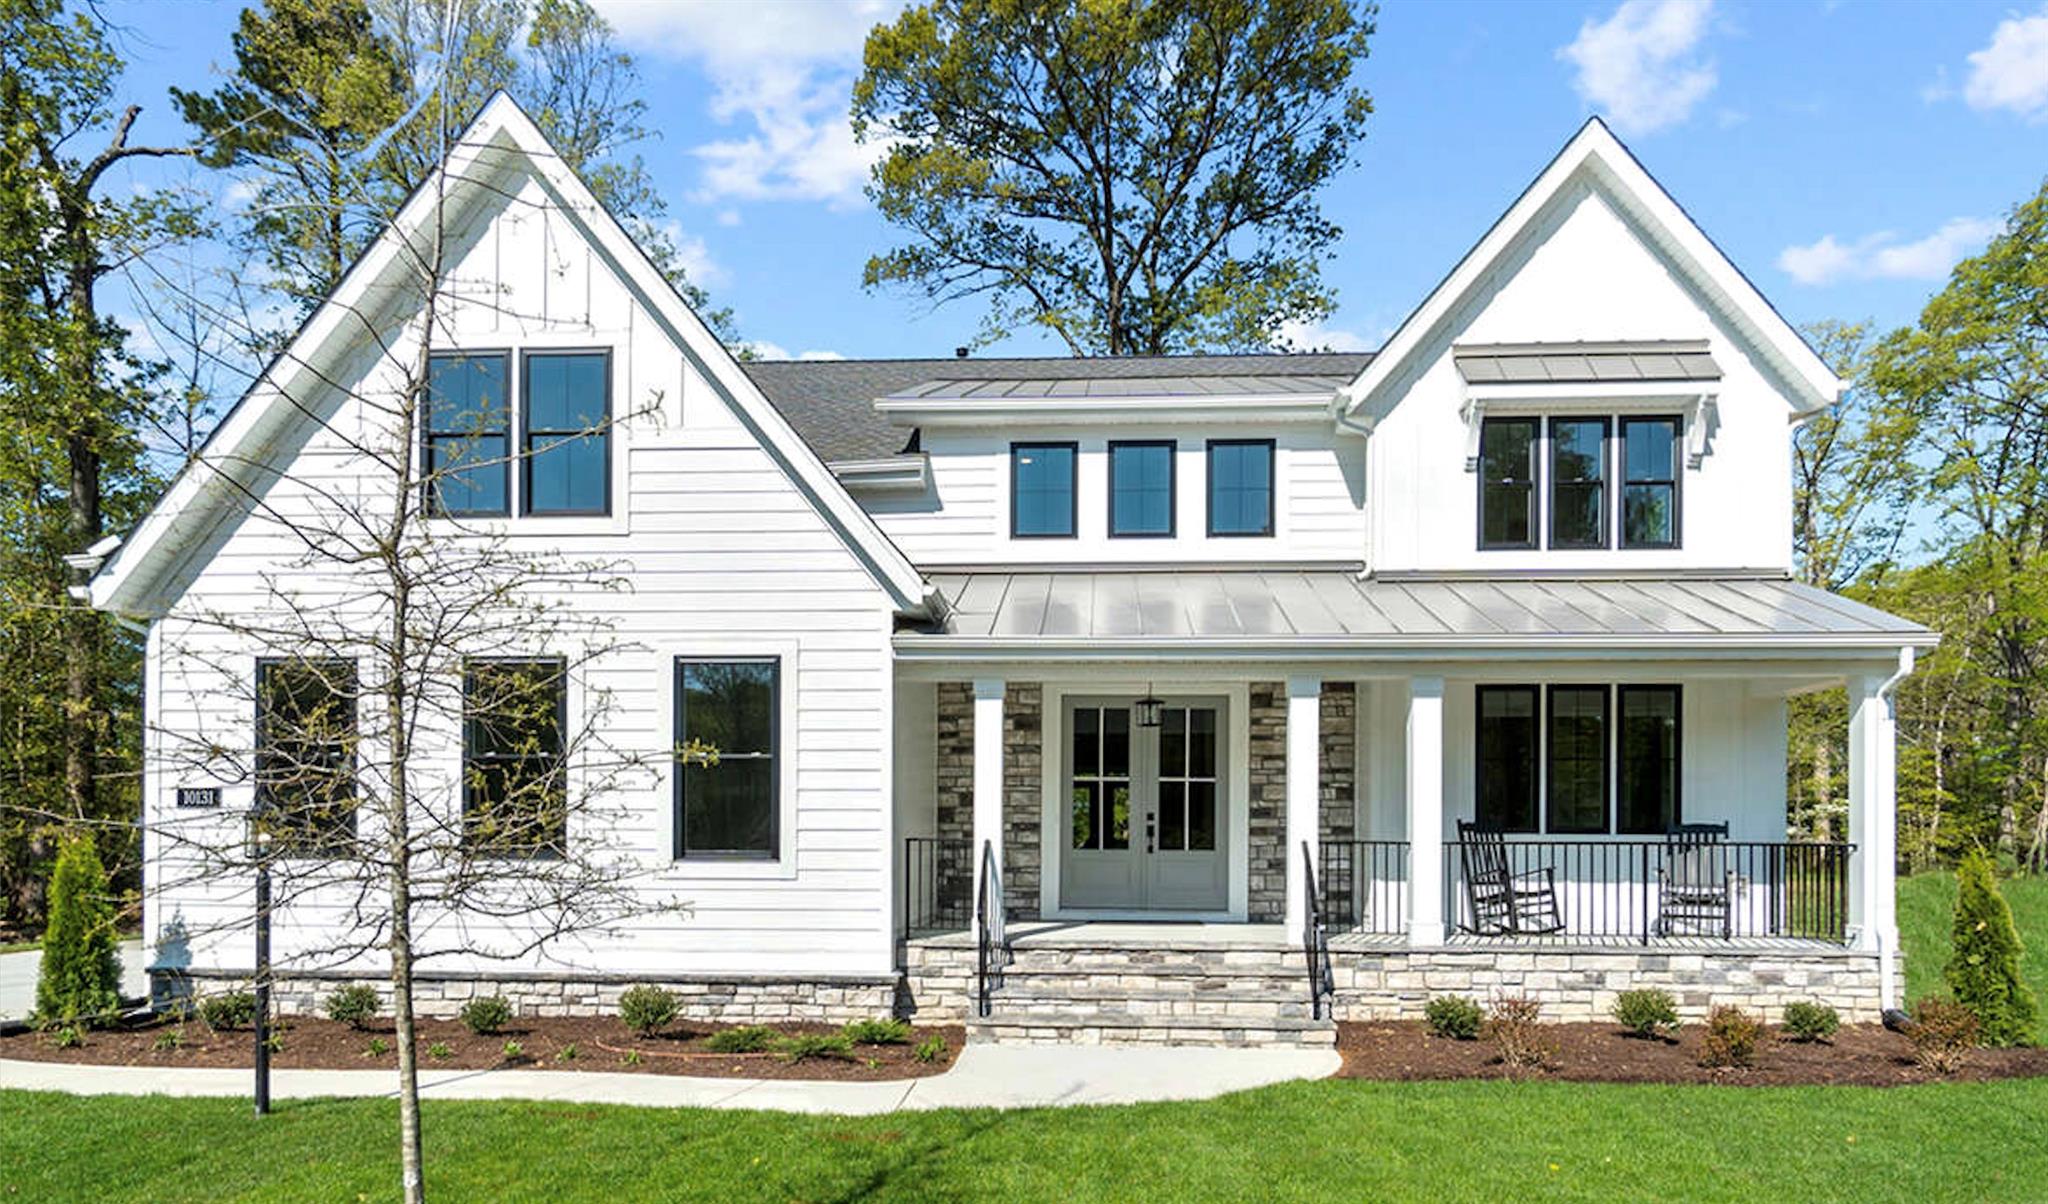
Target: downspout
(1340, 410)
(1887, 953)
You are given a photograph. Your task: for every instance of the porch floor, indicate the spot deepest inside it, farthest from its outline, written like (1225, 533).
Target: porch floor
(1139, 934)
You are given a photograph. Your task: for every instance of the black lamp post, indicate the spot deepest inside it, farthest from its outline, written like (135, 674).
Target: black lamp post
(262, 842)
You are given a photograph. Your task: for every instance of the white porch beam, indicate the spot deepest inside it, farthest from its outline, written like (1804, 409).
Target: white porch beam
(1425, 764)
(988, 775)
(1304, 791)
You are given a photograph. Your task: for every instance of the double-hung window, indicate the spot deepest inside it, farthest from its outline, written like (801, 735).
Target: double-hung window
(1578, 482)
(514, 772)
(1042, 490)
(566, 433)
(1570, 464)
(1507, 483)
(1141, 489)
(1578, 760)
(1240, 487)
(305, 753)
(1649, 485)
(467, 453)
(727, 781)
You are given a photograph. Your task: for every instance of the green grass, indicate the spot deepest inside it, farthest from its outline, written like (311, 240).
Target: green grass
(1324, 1140)
(1926, 916)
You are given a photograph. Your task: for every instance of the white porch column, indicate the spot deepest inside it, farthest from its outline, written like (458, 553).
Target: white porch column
(988, 775)
(1873, 817)
(1425, 762)
(1304, 790)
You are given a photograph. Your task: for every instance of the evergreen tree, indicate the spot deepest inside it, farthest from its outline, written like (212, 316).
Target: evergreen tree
(81, 972)
(1984, 971)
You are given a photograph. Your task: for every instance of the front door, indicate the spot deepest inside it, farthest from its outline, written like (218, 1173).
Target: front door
(1147, 822)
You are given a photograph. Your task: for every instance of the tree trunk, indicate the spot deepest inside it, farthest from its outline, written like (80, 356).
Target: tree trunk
(82, 630)
(399, 840)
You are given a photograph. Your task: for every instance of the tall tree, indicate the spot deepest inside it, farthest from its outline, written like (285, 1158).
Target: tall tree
(1132, 176)
(71, 400)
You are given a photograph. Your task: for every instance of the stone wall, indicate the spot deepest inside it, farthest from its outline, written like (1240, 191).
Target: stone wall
(953, 786)
(1266, 883)
(1336, 783)
(1023, 761)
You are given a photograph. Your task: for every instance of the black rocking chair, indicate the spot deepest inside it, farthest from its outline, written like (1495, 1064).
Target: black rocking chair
(1695, 883)
(1503, 902)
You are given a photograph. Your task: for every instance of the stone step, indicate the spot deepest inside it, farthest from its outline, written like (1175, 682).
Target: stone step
(1066, 979)
(1223, 964)
(1050, 1027)
(1159, 1005)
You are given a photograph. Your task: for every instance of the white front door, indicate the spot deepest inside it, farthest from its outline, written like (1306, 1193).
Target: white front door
(1147, 823)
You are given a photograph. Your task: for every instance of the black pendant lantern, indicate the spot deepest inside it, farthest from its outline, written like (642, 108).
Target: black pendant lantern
(1149, 708)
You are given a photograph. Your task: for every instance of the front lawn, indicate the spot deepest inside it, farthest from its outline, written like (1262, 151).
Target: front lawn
(1926, 916)
(1325, 1140)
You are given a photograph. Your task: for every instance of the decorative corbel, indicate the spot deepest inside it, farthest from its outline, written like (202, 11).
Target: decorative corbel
(1474, 414)
(1700, 427)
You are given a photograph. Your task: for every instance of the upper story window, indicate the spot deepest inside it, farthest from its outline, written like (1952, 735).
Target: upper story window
(1042, 493)
(566, 433)
(1240, 487)
(514, 786)
(1557, 477)
(729, 808)
(305, 753)
(1141, 489)
(469, 413)
(1507, 483)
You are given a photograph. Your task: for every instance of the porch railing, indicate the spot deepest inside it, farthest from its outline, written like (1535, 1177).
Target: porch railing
(1637, 891)
(938, 884)
(1365, 886)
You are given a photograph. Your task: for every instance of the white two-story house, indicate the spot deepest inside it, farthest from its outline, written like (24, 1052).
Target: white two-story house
(1192, 698)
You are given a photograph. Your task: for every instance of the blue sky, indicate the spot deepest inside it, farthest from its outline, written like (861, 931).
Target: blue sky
(1843, 152)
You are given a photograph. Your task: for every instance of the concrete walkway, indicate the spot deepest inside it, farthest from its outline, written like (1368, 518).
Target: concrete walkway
(985, 1076)
(18, 979)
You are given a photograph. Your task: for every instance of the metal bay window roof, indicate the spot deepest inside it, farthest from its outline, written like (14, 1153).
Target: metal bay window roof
(1303, 608)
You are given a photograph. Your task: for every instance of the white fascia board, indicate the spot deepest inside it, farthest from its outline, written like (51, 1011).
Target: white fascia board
(1598, 155)
(960, 411)
(1603, 395)
(1478, 648)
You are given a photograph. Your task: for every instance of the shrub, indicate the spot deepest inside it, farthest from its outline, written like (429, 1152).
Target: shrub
(1646, 1013)
(931, 1049)
(513, 1050)
(274, 1041)
(439, 1051)
(1984, 971)
(168, 1041)
(66, 1036)
(1808, 1020)
(647, 1010)
(747, 1038)
(878, 1032)
(354, 1005)
(814, 1045)
(1514, 1023)
(1733, 1037)
(229, 1009)
(567, 1053)
(1943, 1032)
(1453, 1016)
(377, 1048)
(80, 978)
(632, 1058)
(486, 1015)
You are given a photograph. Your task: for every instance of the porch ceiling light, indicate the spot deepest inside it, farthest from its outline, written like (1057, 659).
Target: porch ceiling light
(1149, 708)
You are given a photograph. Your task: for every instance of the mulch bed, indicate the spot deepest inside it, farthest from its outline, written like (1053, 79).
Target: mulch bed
(601, 1043)
(1861, 1055)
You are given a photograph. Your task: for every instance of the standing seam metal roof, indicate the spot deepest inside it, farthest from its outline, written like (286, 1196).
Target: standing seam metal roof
(1585, 363)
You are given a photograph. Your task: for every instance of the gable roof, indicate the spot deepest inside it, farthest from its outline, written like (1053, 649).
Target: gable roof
(1595, 157)
(831, 402)
(207, 492)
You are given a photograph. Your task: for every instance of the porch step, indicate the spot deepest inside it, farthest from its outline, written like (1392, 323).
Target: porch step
(1046, 1026)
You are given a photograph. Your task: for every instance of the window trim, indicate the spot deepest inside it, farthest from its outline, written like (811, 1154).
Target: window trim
(1537, 747)
(1209, 490)
(1676, 481)
(1534, 539)
(432, 501)
(525, 425)
(1172, 447)
(310, 850)
(1677, 692)
(1608, 777)
(1073, 449)
(561, 666)
(679, 850)
(1604, 539)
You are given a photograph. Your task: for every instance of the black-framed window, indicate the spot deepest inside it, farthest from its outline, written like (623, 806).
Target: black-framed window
(566, 432)
(1576, 744)
(1141, 488)
(1578, 482)
(1647, 798)
(306, 753)
(514, 761)
(1507, 482)
(1042, 490)
(728, 804)
(1505, 761)
(1649, 482)
(1240, 487)
(466, 460)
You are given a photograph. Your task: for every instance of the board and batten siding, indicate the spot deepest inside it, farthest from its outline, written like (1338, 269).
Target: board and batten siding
(720, 553)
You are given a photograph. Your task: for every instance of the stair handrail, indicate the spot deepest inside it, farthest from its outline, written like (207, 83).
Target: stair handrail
(988, 924)
(1315, 941)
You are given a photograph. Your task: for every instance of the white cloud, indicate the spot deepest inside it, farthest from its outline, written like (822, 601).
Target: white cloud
(781, 73)
(1640, 66)
(765, 350)
(695, 256)
(2012, 71)
(1882, 256)
(1314, 336)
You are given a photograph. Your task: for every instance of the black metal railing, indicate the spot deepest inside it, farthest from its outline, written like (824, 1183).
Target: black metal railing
(1637, 891)
(938, 884)
(1365, 886)
(1315, 941)
(991, 942)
